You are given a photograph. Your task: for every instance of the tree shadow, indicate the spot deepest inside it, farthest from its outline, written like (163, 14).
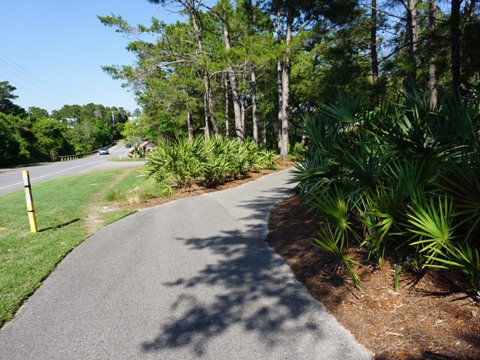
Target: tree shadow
(254, 213)
(251, 291)
(61, 225)
(431, 355)
(245, 292)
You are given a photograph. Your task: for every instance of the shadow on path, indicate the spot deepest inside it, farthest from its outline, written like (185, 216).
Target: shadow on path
(251, 291)
(242, 299)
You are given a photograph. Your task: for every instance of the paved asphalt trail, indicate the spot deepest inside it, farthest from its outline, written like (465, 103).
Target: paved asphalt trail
(188, 279)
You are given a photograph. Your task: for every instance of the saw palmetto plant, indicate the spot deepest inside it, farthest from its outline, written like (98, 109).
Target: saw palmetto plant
(405, 174)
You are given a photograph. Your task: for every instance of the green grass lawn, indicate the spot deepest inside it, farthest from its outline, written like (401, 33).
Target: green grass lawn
(61, 208)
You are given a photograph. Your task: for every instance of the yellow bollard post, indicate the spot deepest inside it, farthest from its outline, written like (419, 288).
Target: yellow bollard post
(28, 197)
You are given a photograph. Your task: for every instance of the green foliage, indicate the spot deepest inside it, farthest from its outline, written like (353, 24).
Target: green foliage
(89, 127)
(50, 139)
(379, 213)
(9, 141)
(37, 136)
(430, 222)
(463, 257)
(408, 184)
(462, 183)
(7, 106)
(334, 235)
(176, 162)
(184, 162)
(333, 243)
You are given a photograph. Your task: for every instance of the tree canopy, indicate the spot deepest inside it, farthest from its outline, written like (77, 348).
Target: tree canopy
(32, 135)
(254, 69)
(247, 65)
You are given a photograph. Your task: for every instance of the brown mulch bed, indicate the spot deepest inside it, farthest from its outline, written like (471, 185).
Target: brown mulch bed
(428, 317)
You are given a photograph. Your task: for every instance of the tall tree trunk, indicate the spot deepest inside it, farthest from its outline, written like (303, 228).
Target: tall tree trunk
(264, 133)
(253, 74)
(227, 108)
(209, 109)
(206, 128)
(189, 125)
(279, 82)
(237, 109)
(253, 80)
(432, 68)
(286, 86)
(374, 56)
(412, 40)
(455, 34)
(242, 112)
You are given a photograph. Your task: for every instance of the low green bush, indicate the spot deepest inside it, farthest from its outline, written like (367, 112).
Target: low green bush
(209, 163)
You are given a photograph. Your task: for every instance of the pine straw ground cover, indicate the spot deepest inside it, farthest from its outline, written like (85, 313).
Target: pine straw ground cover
(429, 317)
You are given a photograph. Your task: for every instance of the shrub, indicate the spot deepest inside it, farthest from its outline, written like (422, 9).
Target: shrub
(408, 177)
(209, 163)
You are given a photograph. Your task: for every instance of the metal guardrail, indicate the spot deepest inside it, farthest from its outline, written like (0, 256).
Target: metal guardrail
(79, 156)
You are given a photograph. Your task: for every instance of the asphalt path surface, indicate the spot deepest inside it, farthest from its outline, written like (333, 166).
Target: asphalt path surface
(189, 279)
(12, 180)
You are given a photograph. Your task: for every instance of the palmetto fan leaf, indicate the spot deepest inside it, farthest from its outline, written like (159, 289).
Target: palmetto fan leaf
(365, 163)
(334, 243)
(463, 257)
(333, 203)
(461, 119)
(410, 174)
(183, 162)
(463, 185)
(336, 233)
(431, 223)
(345, 110)
(380, 213)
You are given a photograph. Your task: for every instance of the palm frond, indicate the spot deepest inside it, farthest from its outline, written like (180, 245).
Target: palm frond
(430, 222)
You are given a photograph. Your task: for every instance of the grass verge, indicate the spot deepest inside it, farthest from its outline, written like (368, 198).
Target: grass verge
(62, 207)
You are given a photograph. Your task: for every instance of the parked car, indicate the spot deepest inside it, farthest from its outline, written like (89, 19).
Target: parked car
(103, 151)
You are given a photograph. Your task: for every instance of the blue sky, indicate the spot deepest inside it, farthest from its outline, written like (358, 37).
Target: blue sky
(52, 50)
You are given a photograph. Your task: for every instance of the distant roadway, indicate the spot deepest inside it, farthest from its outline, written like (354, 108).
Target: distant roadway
(11, 179)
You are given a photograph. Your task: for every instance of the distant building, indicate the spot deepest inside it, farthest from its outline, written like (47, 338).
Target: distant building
(146, 146)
